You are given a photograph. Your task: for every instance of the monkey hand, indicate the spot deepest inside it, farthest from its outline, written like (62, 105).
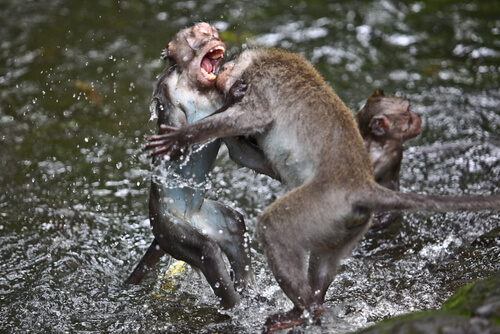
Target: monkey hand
(170, 143)
(238, 90)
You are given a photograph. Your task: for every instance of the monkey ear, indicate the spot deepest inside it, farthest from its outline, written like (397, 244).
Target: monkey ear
(380, 125)
(377, 93)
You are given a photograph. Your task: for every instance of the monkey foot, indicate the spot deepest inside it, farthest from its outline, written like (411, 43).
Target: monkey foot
(290, 319)
(382, 220)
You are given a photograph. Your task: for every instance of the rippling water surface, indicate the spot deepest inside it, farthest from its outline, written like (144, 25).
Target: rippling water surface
(75, 84)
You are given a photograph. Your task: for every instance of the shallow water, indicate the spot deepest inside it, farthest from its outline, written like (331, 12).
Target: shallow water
(75, 84)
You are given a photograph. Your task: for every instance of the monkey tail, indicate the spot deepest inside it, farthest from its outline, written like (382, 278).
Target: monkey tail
(383, 199)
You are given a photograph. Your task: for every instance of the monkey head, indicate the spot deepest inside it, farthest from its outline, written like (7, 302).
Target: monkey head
(233, 72)
(388, 117)
(198, 50)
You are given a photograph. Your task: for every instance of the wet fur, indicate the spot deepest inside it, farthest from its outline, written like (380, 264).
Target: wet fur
(313, 143)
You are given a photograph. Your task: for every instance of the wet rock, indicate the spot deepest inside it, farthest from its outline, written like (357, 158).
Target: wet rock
(475, 308)
(489, 239)
(478, 299)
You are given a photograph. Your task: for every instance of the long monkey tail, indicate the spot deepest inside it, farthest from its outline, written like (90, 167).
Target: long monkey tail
(382, 199)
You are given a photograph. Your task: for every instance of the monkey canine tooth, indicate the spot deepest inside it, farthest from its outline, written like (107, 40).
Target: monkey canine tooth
(216, 53)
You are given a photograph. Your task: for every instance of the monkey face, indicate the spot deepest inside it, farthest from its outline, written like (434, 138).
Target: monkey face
(409, 122)
(389, 117)
(199, 51)
(414, 125)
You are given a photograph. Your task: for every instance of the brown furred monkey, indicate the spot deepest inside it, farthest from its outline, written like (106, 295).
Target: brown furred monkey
(186, 225)
(312, 141)
(385, 123)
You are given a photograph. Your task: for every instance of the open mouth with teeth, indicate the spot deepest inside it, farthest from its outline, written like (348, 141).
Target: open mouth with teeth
(210, 62)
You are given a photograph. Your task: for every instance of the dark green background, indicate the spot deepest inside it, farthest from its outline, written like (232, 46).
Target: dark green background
(75, 82)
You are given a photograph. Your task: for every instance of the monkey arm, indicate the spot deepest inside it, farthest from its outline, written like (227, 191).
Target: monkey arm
(387, 168)
(241, 150)
(236, 94)
(246, 154)
(390, 179)
(163, 107)
(245, 118)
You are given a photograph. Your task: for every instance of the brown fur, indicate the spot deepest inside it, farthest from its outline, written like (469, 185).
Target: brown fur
(313, 143)
(385, 123)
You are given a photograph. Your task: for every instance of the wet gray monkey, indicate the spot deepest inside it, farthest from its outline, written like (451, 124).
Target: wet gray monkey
(186, 225)
(311, 138)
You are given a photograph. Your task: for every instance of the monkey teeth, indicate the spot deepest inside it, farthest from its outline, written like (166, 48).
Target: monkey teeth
(216, 53)
(208, 75)
(210, 62)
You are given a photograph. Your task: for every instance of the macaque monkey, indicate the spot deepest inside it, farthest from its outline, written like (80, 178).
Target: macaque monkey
(186, 225)
(385, 123)
(312, 141)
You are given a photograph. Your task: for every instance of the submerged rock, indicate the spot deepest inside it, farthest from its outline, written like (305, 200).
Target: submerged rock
(473, 309)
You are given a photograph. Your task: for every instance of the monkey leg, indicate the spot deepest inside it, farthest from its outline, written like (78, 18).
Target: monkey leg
(227, 227)
(313, 220)
(150, 258)
(325, 256)
(286, 260)
(384, 219)
(287, 230)
(183, 242)
(322, 271)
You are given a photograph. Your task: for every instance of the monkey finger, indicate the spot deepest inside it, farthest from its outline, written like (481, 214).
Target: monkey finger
(166, 141)
(154, 144)
(164, 138)
(158, 143)
(161, 137)
(168, 128)
(157, 147)
(170, 132)
(173, 151)
(161, 150)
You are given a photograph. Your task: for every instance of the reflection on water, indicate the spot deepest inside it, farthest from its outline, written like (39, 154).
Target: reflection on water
(75, 84)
